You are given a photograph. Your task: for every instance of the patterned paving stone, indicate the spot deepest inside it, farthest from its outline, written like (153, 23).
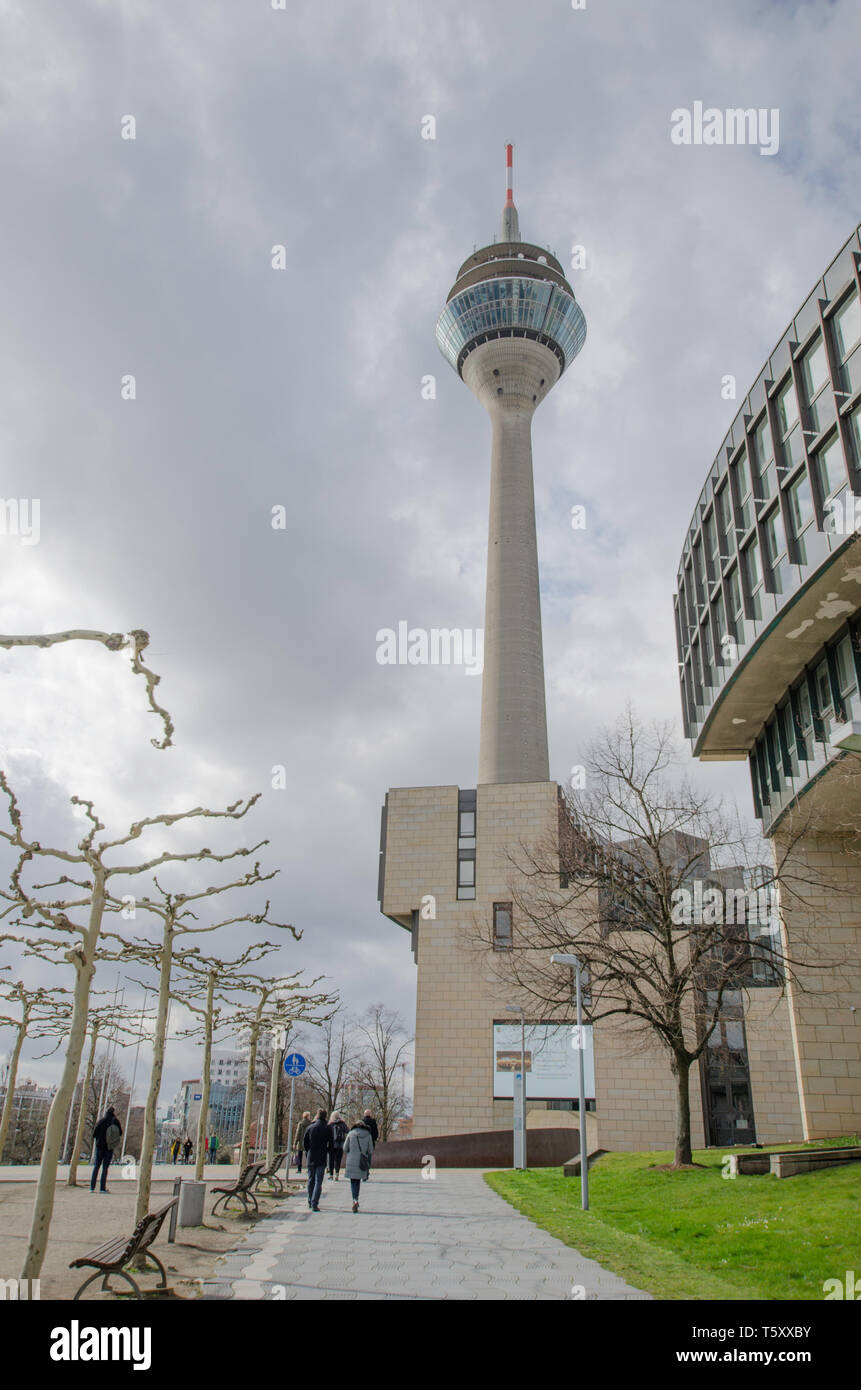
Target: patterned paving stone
(446, 1239)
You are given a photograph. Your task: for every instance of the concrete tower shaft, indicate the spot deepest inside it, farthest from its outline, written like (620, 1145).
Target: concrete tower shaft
(510, 327)
(510, 376)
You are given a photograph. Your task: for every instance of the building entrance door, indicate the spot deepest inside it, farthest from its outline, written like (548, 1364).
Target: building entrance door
(725, 1079)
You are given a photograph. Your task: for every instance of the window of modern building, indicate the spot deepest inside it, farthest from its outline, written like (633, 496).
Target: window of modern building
(855, 435)
(847, 325)
(801, 513)
(502, 926)
(707, 654)
(829, 468)
(787, 409)
(824, 697)
(774, 551)
(786, 721)
(466, 817)
(466, 878)
(735, 607)
(710, 548)
(752, 578)
(803, 719)
(844, 668)
(744, 500)
(814, 370)
(700, 573)
(763, 458)
(723, 514)
(719, 630)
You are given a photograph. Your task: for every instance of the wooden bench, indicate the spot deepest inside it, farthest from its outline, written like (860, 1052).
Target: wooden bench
(241, 1188)
(112, 1257)
(270, 1174)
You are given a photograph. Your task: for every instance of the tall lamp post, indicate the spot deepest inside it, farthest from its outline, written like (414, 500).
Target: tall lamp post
(574, 962)
(516, 1009)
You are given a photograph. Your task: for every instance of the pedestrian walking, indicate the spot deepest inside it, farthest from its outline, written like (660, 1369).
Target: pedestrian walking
(299, 1138)
(339, 1134)
(317, 1143)
(206, 1150)
(108, 1138)
(358, 1150)
(213, 1147)
(186, 1151)
(174, 1151)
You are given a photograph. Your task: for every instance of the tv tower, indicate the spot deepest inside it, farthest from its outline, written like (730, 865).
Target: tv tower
(510, 327)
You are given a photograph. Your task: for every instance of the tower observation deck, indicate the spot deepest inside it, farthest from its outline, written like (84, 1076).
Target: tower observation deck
(510, 327)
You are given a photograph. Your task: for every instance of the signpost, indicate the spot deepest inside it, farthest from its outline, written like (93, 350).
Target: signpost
(294, 1065)
(519, 1116)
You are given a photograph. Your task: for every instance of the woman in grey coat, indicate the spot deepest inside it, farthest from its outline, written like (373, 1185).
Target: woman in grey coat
(358, 1148)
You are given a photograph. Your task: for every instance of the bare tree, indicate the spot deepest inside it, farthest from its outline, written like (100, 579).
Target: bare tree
(178, 918)
(41, 1015)
(209, 991)
(91, 900)
(329, 1058)
(616, 886)
(275, 1003)
(383, 1044)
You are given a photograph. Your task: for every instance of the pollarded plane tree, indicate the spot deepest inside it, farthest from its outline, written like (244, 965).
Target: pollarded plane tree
(135, 643)
(208, 989)
(102, 1020)
(38, 1013)
(177, 915)
(617, 887)
(78, 918)
(273, 1004)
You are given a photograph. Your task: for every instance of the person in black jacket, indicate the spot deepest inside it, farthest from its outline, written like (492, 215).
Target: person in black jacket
(317, 1144)
(370, 1124)
(339, 1135)
(108, 1135)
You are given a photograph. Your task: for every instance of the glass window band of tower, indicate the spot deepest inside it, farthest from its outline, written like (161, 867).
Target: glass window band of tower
(518, 305)
(772, 511)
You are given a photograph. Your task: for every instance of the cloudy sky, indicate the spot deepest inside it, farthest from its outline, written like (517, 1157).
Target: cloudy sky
(256, 387)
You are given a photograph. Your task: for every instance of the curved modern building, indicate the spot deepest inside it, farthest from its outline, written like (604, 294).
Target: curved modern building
(768, 625)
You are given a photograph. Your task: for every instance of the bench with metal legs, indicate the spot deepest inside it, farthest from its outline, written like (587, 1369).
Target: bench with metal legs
(241, 1189)
(113, 1257)
(270, 1174)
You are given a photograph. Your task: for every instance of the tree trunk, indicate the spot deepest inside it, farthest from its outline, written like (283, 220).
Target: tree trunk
(274, 1082)
(9, 1103)
(84, 960)
(207, 1064)
(249, 1081)
(72, 1180)
(158, 1043)
(681, 1070)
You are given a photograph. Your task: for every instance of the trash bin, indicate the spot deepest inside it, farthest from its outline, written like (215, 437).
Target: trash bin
(191, 1199)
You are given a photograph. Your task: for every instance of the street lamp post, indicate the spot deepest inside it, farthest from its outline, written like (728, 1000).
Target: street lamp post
(516, 1009)
(574, 962)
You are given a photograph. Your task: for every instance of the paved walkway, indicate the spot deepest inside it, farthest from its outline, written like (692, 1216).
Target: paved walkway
(414, 1238)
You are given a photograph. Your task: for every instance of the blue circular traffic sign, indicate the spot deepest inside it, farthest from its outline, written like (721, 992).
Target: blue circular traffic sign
(294, 1064)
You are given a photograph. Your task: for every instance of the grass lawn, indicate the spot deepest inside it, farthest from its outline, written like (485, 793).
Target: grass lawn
(696, 1234)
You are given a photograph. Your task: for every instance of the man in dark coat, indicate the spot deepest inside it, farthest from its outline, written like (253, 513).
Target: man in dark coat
(108, 1135)
(318, 1146)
